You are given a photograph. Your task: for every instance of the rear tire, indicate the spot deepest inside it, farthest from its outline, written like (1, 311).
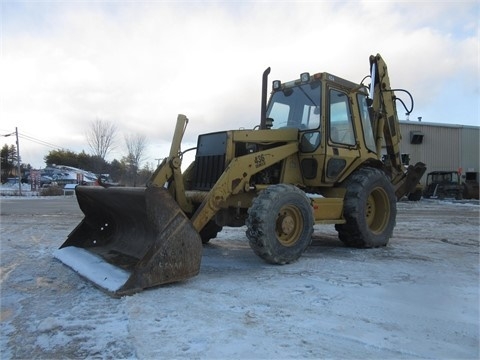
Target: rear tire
(280, 224)
(369, 209)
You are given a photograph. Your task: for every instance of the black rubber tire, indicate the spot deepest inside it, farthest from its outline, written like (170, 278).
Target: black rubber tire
(415, 196)
(209, 231)
(459, 195)
(370, 209)
(280, 224)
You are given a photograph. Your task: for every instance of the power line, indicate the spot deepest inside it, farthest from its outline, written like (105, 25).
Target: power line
(40, 142)
(37, 141)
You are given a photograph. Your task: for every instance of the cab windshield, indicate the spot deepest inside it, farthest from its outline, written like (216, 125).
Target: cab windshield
(296, 107)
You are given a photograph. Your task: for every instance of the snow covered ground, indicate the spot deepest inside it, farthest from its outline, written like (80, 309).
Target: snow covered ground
(416, 298)
(13, 190)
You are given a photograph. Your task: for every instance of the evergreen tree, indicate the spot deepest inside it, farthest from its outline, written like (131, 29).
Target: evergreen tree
(8, 161)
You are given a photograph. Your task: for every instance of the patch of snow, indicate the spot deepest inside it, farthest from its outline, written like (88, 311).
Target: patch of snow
(93, 267)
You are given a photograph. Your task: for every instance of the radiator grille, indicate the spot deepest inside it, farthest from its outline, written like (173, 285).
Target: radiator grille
(209, 160)
(207, 171)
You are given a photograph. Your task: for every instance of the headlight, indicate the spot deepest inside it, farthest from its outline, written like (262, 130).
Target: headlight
(305, 77)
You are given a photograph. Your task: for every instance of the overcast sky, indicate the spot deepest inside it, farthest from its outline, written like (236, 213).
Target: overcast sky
(139, 64)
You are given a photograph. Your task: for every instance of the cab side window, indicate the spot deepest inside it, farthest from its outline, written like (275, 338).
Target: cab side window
(366, 122)
(341, 128)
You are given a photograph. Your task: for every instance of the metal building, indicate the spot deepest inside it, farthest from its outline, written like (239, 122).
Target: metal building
(442, 147)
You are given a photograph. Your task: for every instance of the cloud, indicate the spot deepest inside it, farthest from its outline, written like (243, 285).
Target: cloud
(140, 64)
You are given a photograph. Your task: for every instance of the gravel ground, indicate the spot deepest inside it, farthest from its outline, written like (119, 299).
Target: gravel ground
(416, 298)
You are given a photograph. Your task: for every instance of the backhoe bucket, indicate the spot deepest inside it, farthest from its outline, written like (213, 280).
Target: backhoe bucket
(131, 239)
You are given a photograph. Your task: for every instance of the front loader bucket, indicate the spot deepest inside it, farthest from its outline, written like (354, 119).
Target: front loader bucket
(131, 239)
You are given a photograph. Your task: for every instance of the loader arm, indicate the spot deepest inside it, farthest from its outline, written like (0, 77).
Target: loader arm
(169, 171)
(387, 129)
(236, 178)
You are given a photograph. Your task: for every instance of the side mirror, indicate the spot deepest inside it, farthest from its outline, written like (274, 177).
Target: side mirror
(268, 123)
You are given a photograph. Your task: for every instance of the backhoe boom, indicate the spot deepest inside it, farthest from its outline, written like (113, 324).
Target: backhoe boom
(387, 129)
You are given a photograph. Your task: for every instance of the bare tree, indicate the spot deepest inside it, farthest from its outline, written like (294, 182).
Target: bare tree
(136, 145)
(101, 136)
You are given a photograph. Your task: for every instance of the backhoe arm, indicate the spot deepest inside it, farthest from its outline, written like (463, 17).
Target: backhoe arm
(387, 129)
(386, 113)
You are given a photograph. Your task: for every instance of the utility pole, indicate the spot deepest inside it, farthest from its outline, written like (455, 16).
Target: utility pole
(18, 164)
(18, 161)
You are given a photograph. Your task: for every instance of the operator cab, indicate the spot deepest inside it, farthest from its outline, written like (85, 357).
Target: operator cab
(323, 108)
(305, 103)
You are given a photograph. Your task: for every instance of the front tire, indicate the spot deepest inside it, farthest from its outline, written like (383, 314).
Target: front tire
(210, 231)
(369, 209)
(280, 224)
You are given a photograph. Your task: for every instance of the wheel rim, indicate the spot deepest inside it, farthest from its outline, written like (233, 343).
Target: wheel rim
(377, 210)
(289, 225)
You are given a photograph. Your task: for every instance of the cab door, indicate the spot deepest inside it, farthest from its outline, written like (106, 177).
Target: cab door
(342, 137)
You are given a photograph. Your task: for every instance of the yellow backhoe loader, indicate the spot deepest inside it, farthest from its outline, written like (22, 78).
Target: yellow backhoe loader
(315, 158)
